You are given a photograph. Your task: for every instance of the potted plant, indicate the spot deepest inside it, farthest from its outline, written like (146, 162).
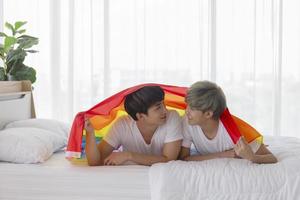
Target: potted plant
(13, 52)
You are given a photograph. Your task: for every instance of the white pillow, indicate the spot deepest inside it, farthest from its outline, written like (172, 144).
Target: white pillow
(28, 145)
(54, 126)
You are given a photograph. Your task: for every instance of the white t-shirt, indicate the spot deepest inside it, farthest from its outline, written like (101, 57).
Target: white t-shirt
(221, 142)
(125, 133)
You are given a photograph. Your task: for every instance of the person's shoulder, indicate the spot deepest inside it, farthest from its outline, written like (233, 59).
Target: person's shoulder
(222, 131)
(173, 116)
(184, 117)
(184, 120)
(186, 126)
(124, 120)
(121, 126)
(221, 127)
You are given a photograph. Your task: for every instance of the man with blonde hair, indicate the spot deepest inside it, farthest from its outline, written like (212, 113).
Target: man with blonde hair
(202, 127)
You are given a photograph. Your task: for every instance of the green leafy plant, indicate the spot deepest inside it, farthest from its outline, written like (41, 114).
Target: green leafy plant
(13, 51)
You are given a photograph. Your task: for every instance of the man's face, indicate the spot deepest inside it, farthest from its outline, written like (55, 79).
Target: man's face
(195, 117)
(157, 114)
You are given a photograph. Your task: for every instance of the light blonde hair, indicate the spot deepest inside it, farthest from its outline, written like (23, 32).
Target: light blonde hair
(206, 96)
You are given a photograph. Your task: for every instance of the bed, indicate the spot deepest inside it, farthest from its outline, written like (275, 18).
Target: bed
(54, 177)
(59, 179)
(232, 179)
(24, 139)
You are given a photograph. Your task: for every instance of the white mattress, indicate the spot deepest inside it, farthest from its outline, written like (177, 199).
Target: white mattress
(59, 179)
(213, 179)
(231, 179)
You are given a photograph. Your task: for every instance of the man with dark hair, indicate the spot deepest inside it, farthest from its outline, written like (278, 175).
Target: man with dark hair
(150, 134)
(140, 101)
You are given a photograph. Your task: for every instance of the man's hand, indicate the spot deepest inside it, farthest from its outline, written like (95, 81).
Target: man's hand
(243, 150)
(88, 126)
(229, 154)
(117, 158)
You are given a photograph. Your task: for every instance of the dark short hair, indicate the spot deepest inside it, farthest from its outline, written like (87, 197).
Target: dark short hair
(141, 100)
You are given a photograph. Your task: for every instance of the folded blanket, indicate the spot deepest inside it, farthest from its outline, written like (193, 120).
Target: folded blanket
(106, 112)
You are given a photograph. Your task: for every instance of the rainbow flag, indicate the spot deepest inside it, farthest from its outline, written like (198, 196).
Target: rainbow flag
(103, 115)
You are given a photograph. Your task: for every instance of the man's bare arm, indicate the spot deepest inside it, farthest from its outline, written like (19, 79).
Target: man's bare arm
(263, 155)
(187, 157)
(95, 153)
(184, 153)
(170, 152)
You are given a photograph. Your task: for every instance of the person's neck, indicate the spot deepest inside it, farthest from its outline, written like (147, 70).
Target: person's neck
(146, 129)
(210, 128)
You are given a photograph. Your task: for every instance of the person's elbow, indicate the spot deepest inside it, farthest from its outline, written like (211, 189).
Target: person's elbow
(169, 158)
(93, 163)
(271, 160)
(274, 160)
(265, 159)
(183, 157)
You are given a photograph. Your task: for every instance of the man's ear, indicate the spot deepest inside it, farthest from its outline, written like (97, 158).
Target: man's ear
(209, 114)
(139, 116)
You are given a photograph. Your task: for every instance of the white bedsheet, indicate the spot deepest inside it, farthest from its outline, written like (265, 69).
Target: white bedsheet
(59, 179)
(231, 178)
(213, 179)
